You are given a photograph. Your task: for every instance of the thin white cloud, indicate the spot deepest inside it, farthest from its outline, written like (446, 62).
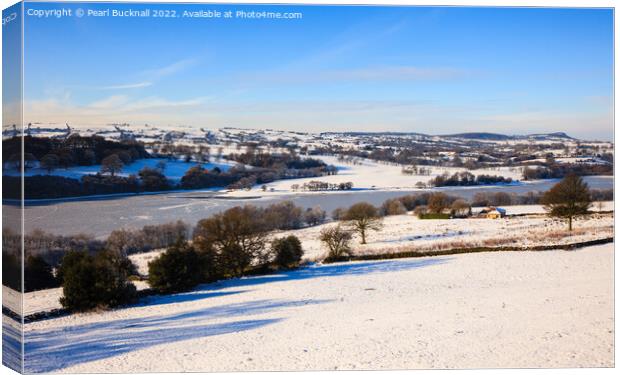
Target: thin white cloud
(128, 86)
(351, 40)
(171, 69)
(151, 76)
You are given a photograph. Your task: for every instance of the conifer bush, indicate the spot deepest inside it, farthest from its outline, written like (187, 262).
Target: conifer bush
(287, 251)
(178, 269)
(95, 281)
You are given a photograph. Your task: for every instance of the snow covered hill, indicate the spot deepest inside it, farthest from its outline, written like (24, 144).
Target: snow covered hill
(552, 309)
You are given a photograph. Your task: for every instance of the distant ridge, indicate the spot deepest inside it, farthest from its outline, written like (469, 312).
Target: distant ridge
(554, 135)
(471, 135)
(377, 133)
(486, 136)
(503, 137)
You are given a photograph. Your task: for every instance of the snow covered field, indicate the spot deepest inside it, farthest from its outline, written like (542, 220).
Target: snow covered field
(531, 309)
(174, 170)
(407, 232)
(539, 209)
(369, 174)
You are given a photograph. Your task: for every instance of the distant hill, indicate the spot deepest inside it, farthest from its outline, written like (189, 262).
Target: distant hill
(551, 135)
(388, 133)
(503, 137)
(485, 136)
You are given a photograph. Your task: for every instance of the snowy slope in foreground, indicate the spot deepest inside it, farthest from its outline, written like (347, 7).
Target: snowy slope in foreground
(544, 309)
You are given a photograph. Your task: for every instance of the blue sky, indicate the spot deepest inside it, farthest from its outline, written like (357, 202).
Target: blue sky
(429, 70)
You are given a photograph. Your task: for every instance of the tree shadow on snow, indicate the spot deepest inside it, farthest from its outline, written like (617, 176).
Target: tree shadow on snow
(54, 349)
(58, 348)
(331, 270)
(192, 296)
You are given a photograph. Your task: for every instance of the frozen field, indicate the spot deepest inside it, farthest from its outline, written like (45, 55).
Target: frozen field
(532, 309)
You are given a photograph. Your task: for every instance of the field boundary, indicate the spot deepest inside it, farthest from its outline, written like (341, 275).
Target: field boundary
(481, 249)
(387, 256)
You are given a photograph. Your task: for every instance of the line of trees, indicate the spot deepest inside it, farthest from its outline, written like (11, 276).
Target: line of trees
(51, 186)
(467, 179)
(75, 150)
(232, 243)
(322, 186)
(561, 170)
(45, 251)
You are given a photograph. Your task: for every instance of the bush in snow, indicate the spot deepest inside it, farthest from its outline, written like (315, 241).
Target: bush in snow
(11, 270)
(153, 179)
(337, 240)
(178, 269)
(90, 282)
(38, 274)
(287, 251)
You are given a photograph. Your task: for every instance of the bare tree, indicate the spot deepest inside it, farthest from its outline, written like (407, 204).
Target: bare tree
(363, 217)
(337, 241)
(111, 164)
(235, 236)
(460, 208)
(437, 202)
(315, 215)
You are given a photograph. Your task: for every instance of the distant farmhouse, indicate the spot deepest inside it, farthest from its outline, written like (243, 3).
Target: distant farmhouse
(492, 213)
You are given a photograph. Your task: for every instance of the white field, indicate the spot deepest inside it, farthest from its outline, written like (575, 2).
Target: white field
(407, 232)
(539, 209)
(485, 310)
(369, 174)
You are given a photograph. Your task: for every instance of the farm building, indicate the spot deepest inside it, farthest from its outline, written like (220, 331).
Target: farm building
(493, 212)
